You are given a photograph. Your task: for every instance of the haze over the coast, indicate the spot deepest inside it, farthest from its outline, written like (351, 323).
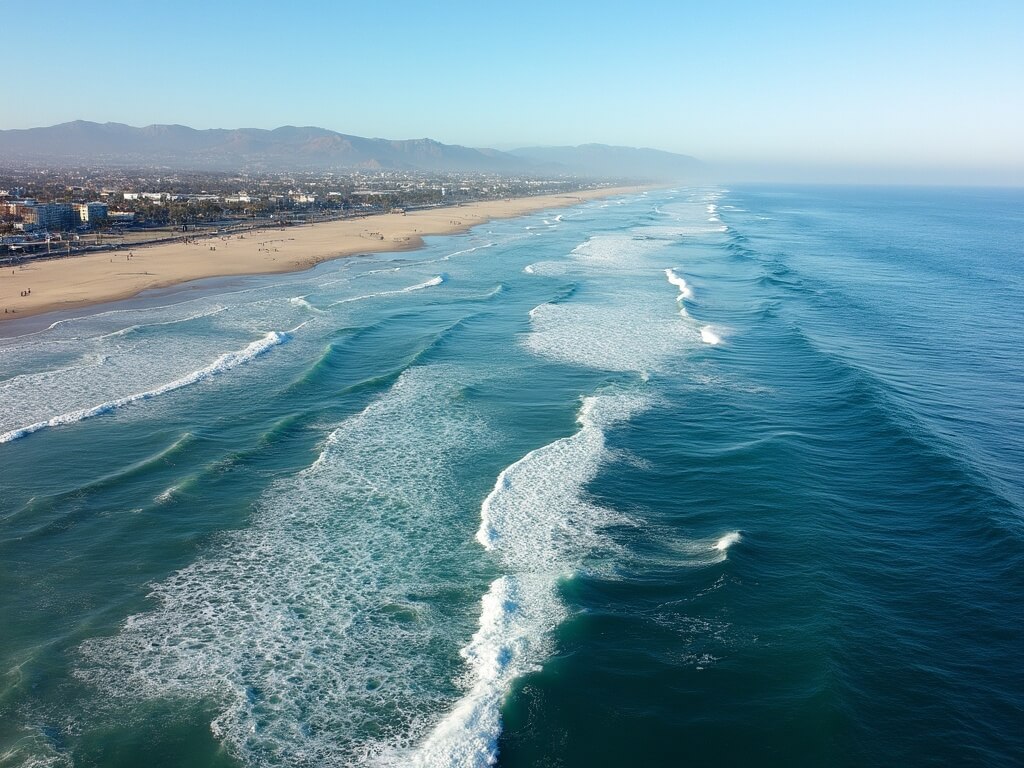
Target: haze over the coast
(909, 93)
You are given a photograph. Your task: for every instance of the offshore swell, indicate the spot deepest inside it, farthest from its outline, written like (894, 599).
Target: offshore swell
(696, 470)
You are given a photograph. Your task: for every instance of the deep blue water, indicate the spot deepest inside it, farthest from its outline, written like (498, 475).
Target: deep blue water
(695, 477)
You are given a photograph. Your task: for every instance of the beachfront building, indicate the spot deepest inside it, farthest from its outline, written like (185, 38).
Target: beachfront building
(18, 207)
(91, 213)
(55, 217)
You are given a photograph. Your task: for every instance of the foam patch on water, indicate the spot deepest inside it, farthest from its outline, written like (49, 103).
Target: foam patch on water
(540, 526)
(43, 379)
(695, 217)
(618, 323)
(616, 252)
(553, 474)
(627, 336)
(300, 301)
(222, 364)
(319, 633)
(708, 336)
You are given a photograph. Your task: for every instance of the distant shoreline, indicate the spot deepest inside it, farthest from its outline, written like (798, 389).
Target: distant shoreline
(80, 281)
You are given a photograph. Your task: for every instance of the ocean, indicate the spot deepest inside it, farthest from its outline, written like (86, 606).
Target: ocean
(702, 477)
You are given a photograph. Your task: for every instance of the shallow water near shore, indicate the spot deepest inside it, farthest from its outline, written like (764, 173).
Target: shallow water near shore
(695, 476)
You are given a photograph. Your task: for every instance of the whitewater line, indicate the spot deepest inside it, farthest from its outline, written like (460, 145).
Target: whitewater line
(685, 292)
(225, 362)
(130, 328)
(539, 524)
(707, 333)
(436, 280)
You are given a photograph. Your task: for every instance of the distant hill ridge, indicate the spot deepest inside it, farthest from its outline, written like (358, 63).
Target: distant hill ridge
(292, 148)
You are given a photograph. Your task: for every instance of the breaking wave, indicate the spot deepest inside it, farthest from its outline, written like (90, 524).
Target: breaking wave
(540, 526)
(223, 363)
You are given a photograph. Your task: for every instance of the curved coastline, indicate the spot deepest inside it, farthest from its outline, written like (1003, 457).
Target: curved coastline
(82, 281)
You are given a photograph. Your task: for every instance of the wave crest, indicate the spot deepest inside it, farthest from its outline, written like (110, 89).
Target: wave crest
(225, 362)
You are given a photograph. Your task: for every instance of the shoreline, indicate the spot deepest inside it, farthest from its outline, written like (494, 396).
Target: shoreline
(75, 282)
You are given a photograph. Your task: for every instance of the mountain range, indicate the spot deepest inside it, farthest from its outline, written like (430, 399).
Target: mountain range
(84, 143)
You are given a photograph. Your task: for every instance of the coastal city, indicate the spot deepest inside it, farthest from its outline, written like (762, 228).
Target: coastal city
(60, 212)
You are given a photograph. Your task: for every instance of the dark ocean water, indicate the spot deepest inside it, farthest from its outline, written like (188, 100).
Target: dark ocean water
(696, 477)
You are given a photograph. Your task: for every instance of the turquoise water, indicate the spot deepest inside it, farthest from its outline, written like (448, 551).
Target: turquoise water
(693, 477)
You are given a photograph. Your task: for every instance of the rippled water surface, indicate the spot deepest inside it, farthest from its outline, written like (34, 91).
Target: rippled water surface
(693, 477)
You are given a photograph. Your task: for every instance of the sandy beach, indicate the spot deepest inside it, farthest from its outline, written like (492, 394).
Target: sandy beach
(77, 281)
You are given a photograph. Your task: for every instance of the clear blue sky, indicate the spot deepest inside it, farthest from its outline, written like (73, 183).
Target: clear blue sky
(925, 85)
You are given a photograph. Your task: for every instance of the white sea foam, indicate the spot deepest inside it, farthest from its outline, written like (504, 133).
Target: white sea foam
(690, 219)
(679, 282)
(464, 251)
(171, 308)
(700, 553)
(436, 280)
(615, 252)
(708, 336)
(509, 643)
(680, 231)
(727, 541)
(619, 323)
(34, 749)
(554, 474)
(318, 624)
(223, 363)
(165, 495)
(176, 321)
(540, 526)
(547, 268)
(38, 379)
(300, 301)
(611, 336)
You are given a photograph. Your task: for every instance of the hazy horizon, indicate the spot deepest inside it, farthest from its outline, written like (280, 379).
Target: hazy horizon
(914, 94)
